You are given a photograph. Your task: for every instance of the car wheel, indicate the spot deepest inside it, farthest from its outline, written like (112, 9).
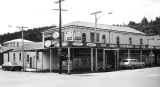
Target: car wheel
(133, 67)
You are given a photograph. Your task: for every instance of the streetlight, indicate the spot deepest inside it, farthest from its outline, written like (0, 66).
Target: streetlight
(21, 28)
(60, 38)
(95, 36)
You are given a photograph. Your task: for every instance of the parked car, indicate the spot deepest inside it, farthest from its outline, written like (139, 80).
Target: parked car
(11, 66)
(131, 63)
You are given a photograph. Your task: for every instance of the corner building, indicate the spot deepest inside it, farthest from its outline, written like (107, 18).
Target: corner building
(113, 44)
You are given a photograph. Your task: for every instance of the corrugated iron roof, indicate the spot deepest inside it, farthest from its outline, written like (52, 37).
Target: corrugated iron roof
(17, 40)
(100, 26)
(30, 47)
(4, 49)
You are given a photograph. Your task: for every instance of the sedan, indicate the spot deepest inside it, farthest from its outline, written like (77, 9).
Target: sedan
(11, 66)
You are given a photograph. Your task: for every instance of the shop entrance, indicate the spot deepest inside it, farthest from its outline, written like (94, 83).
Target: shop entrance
(110, 59)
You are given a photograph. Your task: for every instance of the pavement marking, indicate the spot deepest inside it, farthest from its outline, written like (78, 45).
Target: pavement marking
(158, 74)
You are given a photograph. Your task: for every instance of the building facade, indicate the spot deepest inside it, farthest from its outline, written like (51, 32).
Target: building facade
(113, 43)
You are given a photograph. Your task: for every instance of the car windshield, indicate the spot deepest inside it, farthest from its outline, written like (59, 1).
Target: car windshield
(124, 60)
(13, 63)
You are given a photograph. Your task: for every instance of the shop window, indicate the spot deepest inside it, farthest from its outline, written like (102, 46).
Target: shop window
(27, 58)
(20, 56)
(103, 39)
(92, 37)
(118, 41)
(83, 37)
(141, 41)
(130, 40)
(14, 56)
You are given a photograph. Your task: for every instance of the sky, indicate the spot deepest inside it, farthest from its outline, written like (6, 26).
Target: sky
(39, 13)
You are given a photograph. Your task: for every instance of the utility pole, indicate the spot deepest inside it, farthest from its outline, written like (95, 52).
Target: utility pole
(95, 36)
(21, 27)
(60, 38)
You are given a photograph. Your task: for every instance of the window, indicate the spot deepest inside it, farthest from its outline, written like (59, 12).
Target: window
(14, 56)
(20, 56)
(17, 44)
(141, 41)
(62, 36)
(37, 55)
(118, 40)
(103, 39)
(27, 58)
(97, 37)
(130, 40)
(83, 37)
(92, 37)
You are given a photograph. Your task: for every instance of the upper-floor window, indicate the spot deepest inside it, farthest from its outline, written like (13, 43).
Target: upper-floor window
(97, 37)
(141, 41)
(103, 39)
(83, 37)
(27, 58)
(20, 56)
(118, 41)
(92, 37)
(130, 40)
(14, 56)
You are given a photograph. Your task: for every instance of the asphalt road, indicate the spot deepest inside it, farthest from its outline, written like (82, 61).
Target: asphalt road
(146, 77)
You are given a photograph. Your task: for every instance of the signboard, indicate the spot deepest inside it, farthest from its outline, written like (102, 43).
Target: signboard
(91, 44)
(77, 35)
(55, 35)
(47, 43)
(69, 35)
(77, 44)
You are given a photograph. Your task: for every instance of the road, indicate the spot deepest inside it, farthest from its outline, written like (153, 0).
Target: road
(146, 77)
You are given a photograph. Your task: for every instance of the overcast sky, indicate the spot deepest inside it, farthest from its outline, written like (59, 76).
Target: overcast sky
(38, 13)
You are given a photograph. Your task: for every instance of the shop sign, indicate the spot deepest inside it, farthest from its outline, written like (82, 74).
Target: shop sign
(137, 47)
(91, 44)
(126, 46)
(48, 36)
(143, 46)
(113, 45)
(77, 44)
(157, 47)
(47, 43)
(68, 35)
(103, 45)
(150, 47)
(77, 35)
(55, 35)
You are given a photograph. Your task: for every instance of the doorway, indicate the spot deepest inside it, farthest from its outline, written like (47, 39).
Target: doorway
(30, 62)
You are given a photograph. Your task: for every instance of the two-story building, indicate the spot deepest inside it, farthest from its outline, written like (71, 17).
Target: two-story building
(113, 43)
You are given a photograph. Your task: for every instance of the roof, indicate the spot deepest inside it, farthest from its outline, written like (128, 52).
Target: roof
(4, 49)
(102, 26)
(18, 40)
(30, 47)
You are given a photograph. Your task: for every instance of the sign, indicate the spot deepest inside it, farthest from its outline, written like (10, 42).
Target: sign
(91, 44)
(47, 43)
(77, 35)
(48, 36)
(55, 35)
(77, 44)
(103, 45)
(69, 35)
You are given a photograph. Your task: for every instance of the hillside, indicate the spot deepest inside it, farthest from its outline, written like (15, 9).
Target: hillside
(30, 34)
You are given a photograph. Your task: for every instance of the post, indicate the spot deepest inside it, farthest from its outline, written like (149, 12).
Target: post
(115, 65)
(141, 56)
(96, 69)
(103, 59)
(129, 53)
(23, 49)
(117, 59)
(91, 59)
(36, 60)
(68, 60)
(50, 60)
